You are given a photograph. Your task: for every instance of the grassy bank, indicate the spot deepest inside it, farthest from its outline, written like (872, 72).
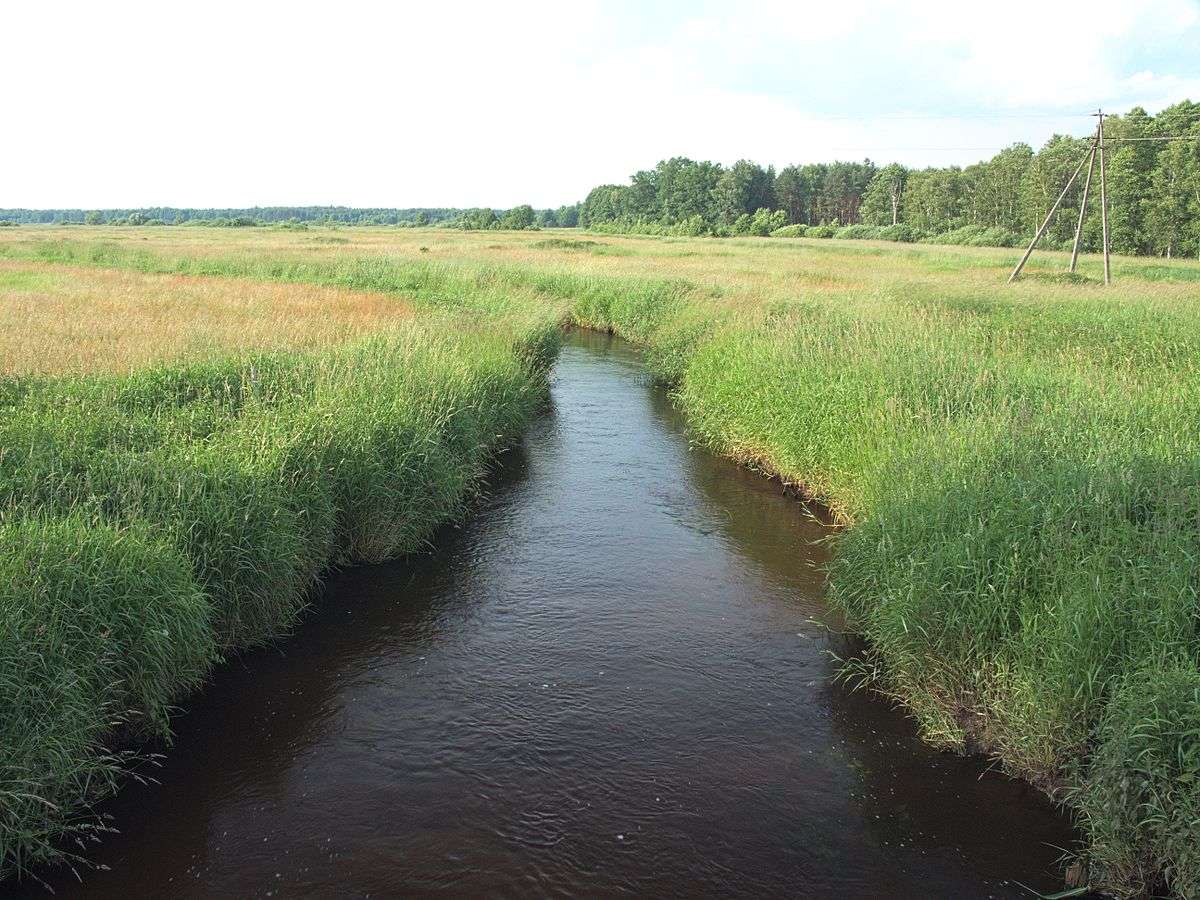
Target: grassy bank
(1023, 480)
(1020, 467)
(153, 522)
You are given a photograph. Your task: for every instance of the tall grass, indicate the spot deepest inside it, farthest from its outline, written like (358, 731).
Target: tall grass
(1020, 468)
(1023, 483)
(152, 522)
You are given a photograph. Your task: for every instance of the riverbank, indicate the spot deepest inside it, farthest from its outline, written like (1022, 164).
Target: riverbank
(1023, 486)
(154, 523)
(1019, 465)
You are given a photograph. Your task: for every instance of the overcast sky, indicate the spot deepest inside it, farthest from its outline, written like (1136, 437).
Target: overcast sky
(123, 104)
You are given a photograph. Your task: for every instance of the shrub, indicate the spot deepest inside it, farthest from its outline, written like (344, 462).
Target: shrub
(903, 233)
(693, 226)
(741, 225)
(858, 233)
(976, 236)
(765, 221)
(790, 231)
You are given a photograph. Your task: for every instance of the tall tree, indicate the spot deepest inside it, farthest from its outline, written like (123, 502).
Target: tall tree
(742, 189)
(933, 199)
(1173, 204)
(881, 200)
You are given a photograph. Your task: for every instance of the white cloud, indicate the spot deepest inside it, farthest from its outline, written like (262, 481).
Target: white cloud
(481, 103)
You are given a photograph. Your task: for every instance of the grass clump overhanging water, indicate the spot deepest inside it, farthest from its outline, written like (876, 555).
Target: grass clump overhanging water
(149, 523)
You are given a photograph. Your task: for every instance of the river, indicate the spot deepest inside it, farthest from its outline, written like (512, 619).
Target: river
(614, 679)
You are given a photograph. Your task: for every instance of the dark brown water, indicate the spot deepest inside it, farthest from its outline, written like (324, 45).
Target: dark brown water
(613, 680)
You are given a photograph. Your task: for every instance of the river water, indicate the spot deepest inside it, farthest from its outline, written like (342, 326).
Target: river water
(614, 679)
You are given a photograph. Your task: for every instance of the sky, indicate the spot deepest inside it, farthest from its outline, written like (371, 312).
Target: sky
(237, 104)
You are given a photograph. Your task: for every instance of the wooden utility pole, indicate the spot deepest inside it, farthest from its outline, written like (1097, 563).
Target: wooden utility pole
(1050, 215)
(1087, 184)
(1103, 196)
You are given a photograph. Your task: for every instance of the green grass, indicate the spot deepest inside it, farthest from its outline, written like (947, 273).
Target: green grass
(152, 522)
(1019, 468)
(1022, 480)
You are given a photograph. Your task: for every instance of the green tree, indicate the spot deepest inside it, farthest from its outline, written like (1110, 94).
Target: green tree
(992, 189)
(93, 217)
(519, 218)
(881, 201)
(1173, 204)
(933, 199)
(603, 204)
(741, 189)
(685, 189)
(793, 193)
(568, 216)
(478, 220)
(1045, 179)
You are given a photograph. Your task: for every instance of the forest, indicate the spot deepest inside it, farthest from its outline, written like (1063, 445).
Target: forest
(1153, 188)
(517, 218)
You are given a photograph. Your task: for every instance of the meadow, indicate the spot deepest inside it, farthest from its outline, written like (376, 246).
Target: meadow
(1017, 469)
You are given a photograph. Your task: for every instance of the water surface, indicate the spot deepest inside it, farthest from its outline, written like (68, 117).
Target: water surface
(614, 679)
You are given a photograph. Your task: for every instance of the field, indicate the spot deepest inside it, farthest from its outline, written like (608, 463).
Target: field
(194, 417)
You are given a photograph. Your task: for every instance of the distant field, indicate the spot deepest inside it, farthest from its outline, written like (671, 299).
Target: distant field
(58, 319)
(1019, 465)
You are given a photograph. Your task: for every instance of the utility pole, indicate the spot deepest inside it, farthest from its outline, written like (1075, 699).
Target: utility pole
(1050, 215)
(1087, 184)
(1103, 196)
(1097, 147)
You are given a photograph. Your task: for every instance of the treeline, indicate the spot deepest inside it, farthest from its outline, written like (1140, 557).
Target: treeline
(518, 218)
(296, 216)
(1153, 186)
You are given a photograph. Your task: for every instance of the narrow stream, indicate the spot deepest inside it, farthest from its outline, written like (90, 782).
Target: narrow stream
(614, 679)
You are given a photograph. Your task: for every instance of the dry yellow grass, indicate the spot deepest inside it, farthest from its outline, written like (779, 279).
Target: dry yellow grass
(59, 319)
(744, 272)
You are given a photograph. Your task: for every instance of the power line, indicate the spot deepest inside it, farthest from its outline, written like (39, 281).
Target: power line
(908, 149)
(941, 117)
(1170, 137)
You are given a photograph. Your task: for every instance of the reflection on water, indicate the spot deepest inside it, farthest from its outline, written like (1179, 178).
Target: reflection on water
(613, 679)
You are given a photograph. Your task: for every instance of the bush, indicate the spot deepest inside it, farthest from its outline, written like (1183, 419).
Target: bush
(976, 236)
(821, 231)
(790, 231)
(693, 226)
(858, 233)
(764, 221)
(741, 225)
(905, 234)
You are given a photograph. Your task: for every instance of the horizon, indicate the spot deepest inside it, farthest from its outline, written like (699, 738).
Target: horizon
(267, 107)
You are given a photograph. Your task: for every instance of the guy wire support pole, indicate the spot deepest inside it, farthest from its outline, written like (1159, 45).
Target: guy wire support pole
(1050, 215)
(1087, 184)
(1103, 197)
